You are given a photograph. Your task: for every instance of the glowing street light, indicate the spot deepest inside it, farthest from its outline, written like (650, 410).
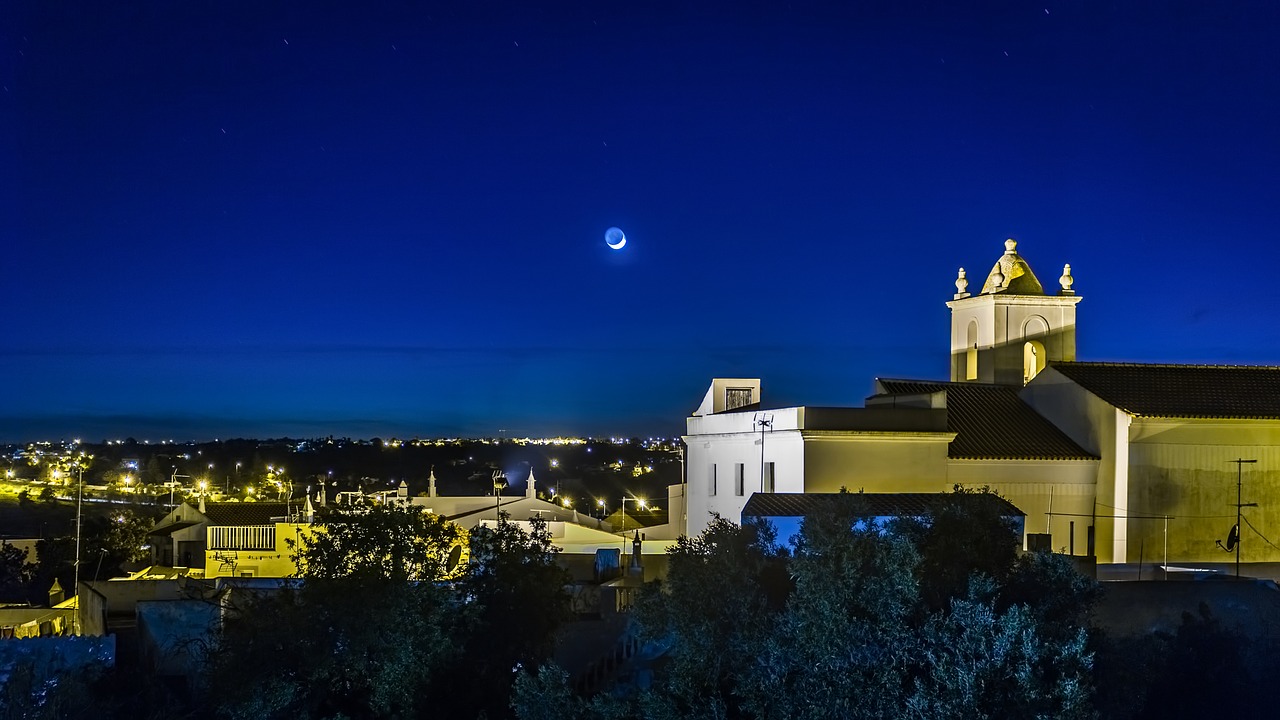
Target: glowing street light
(640, 503)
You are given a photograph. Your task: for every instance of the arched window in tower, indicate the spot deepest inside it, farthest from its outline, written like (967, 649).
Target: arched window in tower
(971, 352)
(1032, 360)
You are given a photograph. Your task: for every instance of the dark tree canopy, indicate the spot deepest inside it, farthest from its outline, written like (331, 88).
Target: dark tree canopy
(932, 619)
(372, 628)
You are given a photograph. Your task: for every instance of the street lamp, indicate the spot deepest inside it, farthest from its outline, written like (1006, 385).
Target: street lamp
(639, 504)
(604, 509)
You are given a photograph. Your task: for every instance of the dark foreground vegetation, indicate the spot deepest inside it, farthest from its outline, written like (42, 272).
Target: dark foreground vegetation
(921, 619)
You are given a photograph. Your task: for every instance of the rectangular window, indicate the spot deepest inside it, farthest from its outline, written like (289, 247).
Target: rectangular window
(767, 482)
(712, 485)
(735, 398)
(738, 471)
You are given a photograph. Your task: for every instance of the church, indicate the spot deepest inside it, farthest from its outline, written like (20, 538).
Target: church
(1125, 463)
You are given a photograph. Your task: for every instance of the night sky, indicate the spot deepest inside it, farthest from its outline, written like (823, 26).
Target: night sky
(258, 218)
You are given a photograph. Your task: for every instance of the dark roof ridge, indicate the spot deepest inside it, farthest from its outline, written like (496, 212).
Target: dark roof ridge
(950, 383)
(1105, 363)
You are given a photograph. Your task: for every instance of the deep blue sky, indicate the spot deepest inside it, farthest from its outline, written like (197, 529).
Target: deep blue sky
(259, 218)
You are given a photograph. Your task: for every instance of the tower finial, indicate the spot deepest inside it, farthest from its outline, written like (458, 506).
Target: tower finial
(1066, 280)
(1010, 246)
(962, 285)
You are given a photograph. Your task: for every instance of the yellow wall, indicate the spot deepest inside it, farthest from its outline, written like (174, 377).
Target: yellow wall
(274, 563)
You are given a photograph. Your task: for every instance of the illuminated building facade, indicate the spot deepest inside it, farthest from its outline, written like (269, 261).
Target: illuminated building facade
(1124, 462)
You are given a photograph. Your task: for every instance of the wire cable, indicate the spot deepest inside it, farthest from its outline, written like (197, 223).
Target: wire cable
(1255, 530)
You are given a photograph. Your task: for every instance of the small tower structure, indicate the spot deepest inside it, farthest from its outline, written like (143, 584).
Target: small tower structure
(1009, 331)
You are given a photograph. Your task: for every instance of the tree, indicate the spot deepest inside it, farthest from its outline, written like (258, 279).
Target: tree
(715, 606)
(15, 573)
(378, 542)
(518, 596)
(362, 635)
(871, 621)
(963, 537)
(372, 627)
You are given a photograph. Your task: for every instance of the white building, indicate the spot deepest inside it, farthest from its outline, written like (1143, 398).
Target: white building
(1102, 457)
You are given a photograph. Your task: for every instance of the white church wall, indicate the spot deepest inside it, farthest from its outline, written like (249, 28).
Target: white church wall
(721, 446)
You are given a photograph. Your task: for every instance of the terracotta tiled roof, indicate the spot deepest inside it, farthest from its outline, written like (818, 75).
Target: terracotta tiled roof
(873, 504)
(992, 423)
(246, 513)
(1187, 391)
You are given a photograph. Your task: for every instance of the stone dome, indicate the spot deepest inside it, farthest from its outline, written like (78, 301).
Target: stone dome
(1012, 275)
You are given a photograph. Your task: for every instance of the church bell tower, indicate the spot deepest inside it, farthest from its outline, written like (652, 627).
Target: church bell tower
(1006, 333)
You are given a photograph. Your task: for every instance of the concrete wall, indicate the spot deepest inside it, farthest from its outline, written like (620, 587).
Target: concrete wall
(1183, 468)
(173, 636)
(876, 462)
(1034, 486)
(1101, 429)
(274, 563)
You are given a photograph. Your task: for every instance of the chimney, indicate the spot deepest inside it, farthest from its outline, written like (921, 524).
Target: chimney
(636, 567)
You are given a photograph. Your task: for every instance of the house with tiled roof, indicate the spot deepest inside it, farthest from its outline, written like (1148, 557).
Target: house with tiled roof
(231, 539)
(1123, 462)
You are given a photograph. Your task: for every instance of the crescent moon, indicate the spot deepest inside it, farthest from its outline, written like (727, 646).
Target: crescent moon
(615, 238)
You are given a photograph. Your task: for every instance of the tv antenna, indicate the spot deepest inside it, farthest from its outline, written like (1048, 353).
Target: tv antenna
(764, 421)
(1233, 537)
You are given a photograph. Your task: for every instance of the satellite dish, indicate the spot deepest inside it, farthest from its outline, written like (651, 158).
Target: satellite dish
(1233, 537)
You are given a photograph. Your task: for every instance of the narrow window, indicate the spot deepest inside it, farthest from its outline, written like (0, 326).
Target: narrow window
(766, 485)
(712, 485)
(971, 352)
(738, 471)
(1032, 360)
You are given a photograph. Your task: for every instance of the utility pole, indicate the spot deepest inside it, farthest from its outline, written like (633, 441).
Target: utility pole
(75, 619)
(1240, 463)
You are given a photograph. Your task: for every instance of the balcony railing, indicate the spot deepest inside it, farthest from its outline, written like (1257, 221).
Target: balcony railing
(254, 537)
